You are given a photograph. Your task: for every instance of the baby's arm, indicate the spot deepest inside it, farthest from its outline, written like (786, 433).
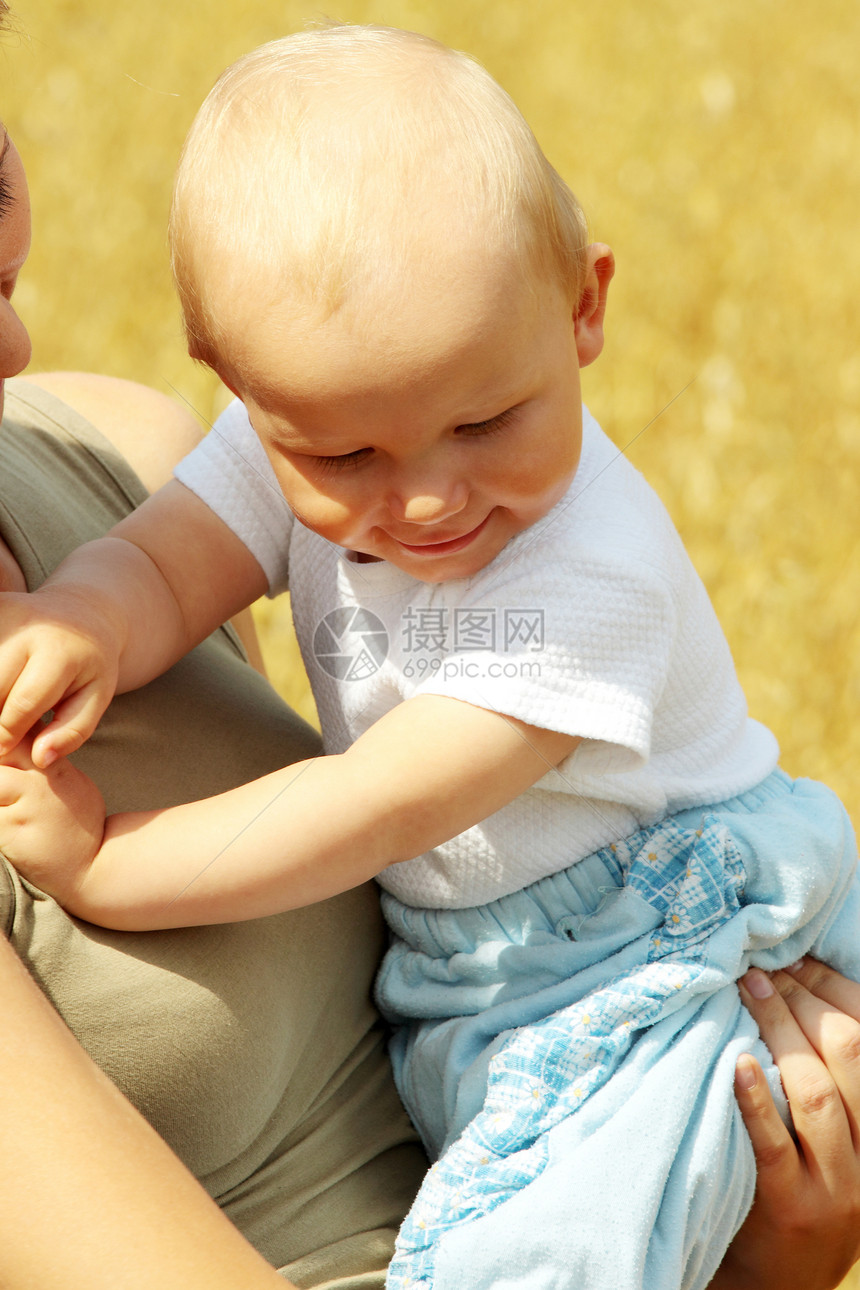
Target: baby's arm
(116, 613)
(426, 771)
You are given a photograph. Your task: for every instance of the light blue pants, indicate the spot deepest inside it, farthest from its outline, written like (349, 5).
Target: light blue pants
(568, 1052)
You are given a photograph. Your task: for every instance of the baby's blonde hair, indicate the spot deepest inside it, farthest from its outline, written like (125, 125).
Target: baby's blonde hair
(314, 156)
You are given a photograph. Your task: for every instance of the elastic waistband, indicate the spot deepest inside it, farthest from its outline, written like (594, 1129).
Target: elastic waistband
(526, 917)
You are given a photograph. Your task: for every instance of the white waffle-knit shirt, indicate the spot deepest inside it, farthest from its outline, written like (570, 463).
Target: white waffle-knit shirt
(592, 622)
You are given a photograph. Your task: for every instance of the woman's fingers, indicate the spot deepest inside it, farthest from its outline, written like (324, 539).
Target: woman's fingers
(829, 985)
(821, 1121)
(777, 1162)
(833, 1033)
(803, 1232)
(779, 1027)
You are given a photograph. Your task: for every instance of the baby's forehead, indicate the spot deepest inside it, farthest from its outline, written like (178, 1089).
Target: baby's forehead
(287, 354)
(428, 303)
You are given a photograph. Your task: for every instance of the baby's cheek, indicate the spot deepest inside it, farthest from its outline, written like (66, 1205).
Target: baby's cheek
(330, 517)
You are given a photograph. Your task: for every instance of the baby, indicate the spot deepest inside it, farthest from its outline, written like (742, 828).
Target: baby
(537, 740)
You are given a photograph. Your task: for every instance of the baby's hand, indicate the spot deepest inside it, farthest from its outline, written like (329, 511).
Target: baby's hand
(57, 651)
(51, 821)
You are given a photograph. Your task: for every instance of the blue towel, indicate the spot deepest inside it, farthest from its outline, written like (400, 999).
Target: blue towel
(568, 1052)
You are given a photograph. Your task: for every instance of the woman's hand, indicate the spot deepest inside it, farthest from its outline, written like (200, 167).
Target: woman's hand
(51, 821)
(803, 1231)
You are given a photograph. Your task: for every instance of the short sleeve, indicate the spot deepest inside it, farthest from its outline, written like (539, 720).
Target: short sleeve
(566, 640)
(230, 472)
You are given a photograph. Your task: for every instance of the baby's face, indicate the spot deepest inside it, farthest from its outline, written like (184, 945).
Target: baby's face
(429, 431)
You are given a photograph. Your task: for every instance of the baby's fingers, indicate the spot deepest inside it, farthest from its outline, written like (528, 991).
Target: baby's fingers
(30, 692)
(74, 720)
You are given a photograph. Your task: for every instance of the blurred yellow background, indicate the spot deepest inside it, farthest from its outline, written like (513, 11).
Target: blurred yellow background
(714, 146)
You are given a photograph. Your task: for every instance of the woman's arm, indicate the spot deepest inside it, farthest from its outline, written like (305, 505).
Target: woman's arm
(803, 1232)
(90, 1196)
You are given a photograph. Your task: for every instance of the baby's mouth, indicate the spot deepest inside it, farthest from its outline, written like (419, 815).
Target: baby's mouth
(445, 547)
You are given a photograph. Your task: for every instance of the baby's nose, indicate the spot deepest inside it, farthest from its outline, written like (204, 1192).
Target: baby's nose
(429, 505)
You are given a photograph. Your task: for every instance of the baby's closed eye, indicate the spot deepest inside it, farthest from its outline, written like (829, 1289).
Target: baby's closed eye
(491, 425)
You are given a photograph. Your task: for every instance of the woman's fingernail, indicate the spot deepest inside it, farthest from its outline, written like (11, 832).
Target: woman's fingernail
(47, 758)
(758, 984)
(795, 967)
(746, 1075)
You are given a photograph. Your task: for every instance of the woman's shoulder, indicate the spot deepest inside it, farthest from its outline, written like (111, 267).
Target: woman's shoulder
(150, 429)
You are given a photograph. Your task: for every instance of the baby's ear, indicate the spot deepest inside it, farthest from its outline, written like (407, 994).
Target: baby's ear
(588, 321)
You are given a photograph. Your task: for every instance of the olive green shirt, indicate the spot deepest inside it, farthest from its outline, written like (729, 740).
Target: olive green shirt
(253, 1048)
